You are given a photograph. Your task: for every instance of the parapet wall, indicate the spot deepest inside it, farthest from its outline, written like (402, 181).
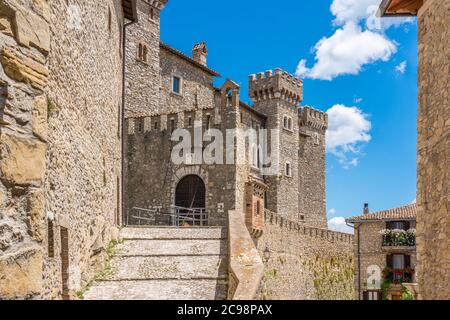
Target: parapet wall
(277, 84)
(313, 118)
(306, 263)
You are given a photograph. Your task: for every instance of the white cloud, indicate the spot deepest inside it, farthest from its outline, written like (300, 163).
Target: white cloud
(332, 212)
(357, 100)
(351, 10)
(357, 42)
(401, 68)
(348, 129)
(338, 224)
(346, 52)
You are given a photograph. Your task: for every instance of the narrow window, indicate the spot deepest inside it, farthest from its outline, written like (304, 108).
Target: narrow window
(65, 263)
(290, 124)
(242, 117)
(176, 85)
(140, 52)
(172, 125)
(156, 125)
(285, 122)
(140, 127)
(208, 121)
(152, 13)
(190, 121)
(288, 169)
(51, 239)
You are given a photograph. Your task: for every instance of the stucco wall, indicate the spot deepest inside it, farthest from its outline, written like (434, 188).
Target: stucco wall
(433, 196)
(306, 263)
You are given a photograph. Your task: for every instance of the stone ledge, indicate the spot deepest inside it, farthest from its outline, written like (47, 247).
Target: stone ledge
(246, 266)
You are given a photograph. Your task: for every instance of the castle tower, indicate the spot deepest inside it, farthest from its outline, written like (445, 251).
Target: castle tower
(312, 183)
(142, 50)
(278, 95)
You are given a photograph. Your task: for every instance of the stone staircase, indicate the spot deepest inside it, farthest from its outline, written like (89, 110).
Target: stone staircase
(165, 263)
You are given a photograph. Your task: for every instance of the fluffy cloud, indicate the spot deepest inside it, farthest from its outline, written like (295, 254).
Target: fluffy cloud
(349, 128)
(357, 42)
(352, 10)
(332, 212)
(401, 68)
(346, 52)
(338, 224)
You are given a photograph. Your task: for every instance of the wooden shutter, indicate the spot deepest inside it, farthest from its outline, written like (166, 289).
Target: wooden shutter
(407, 261)
(366, 295)
(390, 261)
(389, 225)
(407, 225)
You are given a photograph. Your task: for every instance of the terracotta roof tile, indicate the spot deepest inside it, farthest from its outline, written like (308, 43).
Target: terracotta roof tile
(407, 212)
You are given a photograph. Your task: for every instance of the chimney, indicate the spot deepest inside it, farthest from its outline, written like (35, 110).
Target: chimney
(366, 208)
(200, 53)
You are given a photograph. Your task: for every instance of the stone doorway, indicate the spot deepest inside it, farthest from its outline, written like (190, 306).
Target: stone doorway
(191, 193)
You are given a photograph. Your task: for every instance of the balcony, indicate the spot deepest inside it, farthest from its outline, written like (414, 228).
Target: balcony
(398, 276)
(398, 240)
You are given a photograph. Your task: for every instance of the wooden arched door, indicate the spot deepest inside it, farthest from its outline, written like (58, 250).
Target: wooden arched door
(191, 193)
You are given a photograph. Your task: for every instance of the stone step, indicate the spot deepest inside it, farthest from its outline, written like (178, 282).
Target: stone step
(171, 233)
(158, 290)
(172, 247)
(167, 267)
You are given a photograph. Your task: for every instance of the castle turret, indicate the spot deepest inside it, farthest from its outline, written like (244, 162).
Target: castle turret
(312, 196)
(278, 95)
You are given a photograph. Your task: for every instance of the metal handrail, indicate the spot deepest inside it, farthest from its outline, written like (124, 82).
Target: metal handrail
(197, 217)
(141, 215)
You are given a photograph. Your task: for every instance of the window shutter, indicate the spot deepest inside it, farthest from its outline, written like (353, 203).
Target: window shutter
(407, 261)
(365, 295)
(407, 225)
(389, 261)
(389, 225)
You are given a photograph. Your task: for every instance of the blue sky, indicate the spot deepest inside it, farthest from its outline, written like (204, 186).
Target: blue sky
(373, 159)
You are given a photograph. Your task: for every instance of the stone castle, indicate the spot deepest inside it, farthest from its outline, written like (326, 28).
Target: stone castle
(168, 90)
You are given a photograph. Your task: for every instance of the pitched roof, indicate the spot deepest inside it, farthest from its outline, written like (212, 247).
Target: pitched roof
(188, 59)
(399, 7)
(407, 212)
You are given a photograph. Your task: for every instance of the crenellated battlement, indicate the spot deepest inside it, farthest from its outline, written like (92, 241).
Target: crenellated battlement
(159, 4)
(293, 226)
(310, 117)
(277, 84)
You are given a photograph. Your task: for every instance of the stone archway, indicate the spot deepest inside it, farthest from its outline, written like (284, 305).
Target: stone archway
(190, 193)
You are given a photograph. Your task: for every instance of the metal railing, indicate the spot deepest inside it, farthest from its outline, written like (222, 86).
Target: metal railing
(393, 241)
(194, 217)
(141, 216)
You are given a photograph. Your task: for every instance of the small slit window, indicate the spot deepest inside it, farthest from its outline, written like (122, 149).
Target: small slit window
(176, 85)
(288, 170)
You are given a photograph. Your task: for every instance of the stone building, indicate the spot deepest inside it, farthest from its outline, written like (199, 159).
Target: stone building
(169, 90)
(385, 252)
(433, 158)
(60, 157)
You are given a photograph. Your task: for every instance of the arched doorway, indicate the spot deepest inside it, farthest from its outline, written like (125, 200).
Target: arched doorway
(190, 193)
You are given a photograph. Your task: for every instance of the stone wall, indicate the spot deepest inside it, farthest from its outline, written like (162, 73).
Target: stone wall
(306, 263)
(61, 83)
(433, 198)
